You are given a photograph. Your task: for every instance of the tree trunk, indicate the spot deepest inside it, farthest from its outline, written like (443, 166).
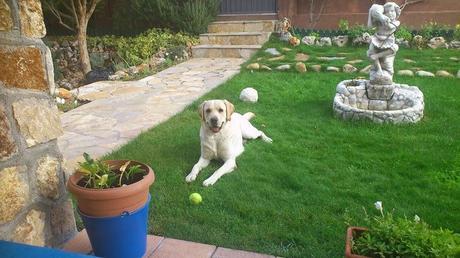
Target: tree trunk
(84, 56)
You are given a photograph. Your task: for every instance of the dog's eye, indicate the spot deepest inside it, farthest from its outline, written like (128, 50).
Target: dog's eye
(221, 110)
(208, 110)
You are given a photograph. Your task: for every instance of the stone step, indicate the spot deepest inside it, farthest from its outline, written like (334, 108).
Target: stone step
(222, 51)
(235, 38)
(242, 26)
(247, 17)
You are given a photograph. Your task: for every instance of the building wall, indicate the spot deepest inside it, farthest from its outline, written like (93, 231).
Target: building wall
(356, 11)
(34, 205)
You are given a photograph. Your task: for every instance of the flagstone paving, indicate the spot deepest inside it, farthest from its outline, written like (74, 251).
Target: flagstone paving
(120, 111)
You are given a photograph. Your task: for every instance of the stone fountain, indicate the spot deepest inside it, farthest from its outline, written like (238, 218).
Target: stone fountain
(379, 99)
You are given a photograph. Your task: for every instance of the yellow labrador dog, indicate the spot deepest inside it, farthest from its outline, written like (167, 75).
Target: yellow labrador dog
(221, 134)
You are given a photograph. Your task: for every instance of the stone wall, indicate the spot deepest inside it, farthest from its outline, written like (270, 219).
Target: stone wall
(35, 207)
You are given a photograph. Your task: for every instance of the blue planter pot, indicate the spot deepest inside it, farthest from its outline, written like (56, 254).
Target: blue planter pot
(119, 236)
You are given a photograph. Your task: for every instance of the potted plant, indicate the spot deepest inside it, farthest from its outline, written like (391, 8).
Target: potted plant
(390, 236)
(112, 198)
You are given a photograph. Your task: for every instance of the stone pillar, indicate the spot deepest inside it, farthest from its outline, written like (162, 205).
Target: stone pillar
(34, 205)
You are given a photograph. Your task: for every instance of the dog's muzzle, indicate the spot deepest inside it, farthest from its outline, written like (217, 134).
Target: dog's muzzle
(216, 128)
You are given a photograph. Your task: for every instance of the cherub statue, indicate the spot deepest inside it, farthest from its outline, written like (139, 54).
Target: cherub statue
(383, 47)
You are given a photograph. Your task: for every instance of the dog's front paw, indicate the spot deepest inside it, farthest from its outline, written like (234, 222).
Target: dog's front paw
(191, 177)
(209, 182)
(266, 138)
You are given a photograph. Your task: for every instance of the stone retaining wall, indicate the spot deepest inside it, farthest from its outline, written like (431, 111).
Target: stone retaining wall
(35, 207)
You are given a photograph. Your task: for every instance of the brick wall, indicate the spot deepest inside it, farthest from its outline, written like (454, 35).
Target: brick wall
(356, 11)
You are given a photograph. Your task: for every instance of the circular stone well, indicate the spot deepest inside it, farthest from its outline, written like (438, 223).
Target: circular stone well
(352, 103)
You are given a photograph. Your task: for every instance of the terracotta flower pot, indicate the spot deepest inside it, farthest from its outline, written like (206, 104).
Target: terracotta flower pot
(112, 201)
(353, 232)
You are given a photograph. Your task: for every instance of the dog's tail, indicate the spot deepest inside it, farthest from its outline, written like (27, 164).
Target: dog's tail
(249, 115)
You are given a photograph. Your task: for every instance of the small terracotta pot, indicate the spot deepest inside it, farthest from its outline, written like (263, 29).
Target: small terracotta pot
(351, 233)
(112, 201)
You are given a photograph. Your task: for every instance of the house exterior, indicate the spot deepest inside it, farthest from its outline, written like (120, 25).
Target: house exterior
(325, 14)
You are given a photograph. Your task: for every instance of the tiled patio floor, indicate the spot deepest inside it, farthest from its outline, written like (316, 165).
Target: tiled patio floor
(161, 247)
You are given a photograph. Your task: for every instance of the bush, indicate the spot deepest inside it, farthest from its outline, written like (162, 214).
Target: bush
(134, 50)
(404, 33)
(457, 32)
(343, 25)
(388, 236)
(196, 15)
(433, 29)
(358, 30)
(314, 34)
(191, 16)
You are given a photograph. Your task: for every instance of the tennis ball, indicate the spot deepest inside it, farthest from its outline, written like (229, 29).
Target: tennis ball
(195, 198)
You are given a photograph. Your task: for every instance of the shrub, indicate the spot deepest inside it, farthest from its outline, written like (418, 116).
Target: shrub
(404, 33)
(134, 50)
(457, 32)
(358, 30)
(388, 236)
(343, 25)
(191, 16)
(196, 15)
(433, 29)
(314, 34)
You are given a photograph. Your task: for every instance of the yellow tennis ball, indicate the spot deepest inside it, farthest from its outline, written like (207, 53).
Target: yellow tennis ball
(195, 198)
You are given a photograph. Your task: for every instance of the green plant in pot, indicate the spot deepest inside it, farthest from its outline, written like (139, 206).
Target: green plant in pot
(391, 236)
(112, 198)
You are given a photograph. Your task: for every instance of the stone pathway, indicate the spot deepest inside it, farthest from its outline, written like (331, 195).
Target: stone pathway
(122, 110)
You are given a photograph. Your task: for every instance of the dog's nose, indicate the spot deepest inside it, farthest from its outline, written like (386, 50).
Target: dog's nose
(213, 120)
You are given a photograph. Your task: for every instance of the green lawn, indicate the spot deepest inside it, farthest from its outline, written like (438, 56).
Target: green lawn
(292, 198)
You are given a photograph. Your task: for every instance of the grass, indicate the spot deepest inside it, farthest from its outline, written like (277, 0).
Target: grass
(292, 198)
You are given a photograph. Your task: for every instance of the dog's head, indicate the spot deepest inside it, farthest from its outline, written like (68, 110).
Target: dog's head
(215, 113)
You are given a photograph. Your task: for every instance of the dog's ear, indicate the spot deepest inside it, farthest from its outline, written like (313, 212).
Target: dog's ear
(201, 110)
(229, 109)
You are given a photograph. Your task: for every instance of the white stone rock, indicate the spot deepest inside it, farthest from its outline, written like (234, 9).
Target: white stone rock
(283, 67)
(309, 40)
(332, 69)
(356, 61)
(316, 68)
(249, 95)
(264, 67)
(437, 42)
(406, 72)
(324, 41)
(454, 44)
(253, 66)
(443, 73)
(272, 51)
(364, 39)
(348, 68)
(424, 74)
(340, 41)
(330, 58)
(403, 43)
(285, 36)
(409, 61)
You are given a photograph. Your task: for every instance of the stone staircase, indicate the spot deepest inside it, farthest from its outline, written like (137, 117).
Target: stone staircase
(233, 39)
